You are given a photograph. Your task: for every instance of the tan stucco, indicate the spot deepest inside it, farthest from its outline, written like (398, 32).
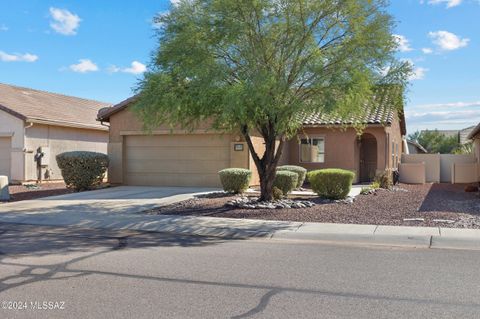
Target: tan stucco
(25, 138)
(341, 145)
(58, 140)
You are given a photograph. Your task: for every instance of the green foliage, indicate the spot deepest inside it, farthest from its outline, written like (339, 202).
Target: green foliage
(375, 185)
(436, 142)
(235, 180)
(82, 170)
(277, 193)
(285, 181)
(332, 183)
(464, 149)
(365, 190)
(300, 171)
(255, 66)
(384, 180)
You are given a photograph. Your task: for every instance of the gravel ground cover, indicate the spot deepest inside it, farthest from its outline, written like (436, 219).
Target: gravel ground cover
(443, 205)
(24, 192)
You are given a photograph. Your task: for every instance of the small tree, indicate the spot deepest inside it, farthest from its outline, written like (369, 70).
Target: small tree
(257, 66)
(436, 142)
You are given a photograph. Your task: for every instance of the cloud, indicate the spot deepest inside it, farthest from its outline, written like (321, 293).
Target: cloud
(84, 66)
(450, 3)
(17, 57)
(135, 68)
(453, 115)
(64, 22)
(418, 73)
(403, 44)
(175, 2)
(427, 50)
(448, 41)
(3, 27)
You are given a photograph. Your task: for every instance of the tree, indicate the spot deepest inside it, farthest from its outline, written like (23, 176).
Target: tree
(436, 142)
(257, 66)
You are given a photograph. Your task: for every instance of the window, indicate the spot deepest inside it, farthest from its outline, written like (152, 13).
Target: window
(312, 150)
(393, 154)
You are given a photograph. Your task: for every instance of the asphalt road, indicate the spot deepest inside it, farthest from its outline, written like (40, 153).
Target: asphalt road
(105, 274)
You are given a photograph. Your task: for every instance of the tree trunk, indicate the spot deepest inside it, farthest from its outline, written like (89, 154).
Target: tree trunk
(267, 165)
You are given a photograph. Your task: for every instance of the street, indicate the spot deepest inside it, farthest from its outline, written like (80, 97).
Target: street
(113, 274)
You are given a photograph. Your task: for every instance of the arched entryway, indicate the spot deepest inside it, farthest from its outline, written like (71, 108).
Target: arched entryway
(368, 157)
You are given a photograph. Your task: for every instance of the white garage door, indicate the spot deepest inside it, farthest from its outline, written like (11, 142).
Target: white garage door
(176, 160)
(5, 153)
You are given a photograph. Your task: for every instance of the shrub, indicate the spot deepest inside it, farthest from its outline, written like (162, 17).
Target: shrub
(384, 180)
(277, 193)
(82, 170)
(331, 183)
(375, 185)
(285, 181)
(300, 171)
(235, 180)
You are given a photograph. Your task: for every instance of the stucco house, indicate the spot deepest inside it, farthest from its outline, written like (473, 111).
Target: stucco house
(33, 122)
(175, 157)
(179, 158)
(415, 148)
(475, 136)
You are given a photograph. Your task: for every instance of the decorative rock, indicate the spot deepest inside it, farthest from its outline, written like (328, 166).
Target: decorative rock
(253, 203)
(414, 219)
(4, 193)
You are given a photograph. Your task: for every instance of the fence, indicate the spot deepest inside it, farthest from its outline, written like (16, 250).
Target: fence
(445, 168)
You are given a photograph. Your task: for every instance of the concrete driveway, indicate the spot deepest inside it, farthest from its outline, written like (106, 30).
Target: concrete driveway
(115, 200)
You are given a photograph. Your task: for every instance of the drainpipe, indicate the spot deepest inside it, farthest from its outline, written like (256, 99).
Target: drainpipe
(103, 124)
(29, 125)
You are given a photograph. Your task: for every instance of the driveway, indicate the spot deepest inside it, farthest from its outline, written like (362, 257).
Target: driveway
(115, 200)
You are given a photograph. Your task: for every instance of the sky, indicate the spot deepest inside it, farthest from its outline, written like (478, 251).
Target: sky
(99, 50)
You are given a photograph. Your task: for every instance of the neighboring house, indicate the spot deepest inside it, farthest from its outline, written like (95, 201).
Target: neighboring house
(33, 121)
(175, 157)
(415, 148)
(461, 135)
(475, 136)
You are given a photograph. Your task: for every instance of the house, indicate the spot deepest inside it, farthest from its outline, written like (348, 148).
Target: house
(475, 136)
(35, 126)
(461, 135)
(415, 148)
(175, 157)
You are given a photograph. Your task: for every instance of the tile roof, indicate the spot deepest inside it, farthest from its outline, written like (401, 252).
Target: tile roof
(50, 108)
(381, 110)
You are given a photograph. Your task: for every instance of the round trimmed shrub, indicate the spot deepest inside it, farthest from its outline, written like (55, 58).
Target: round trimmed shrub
(277, 193)
(285, 181)
(82, 170)
(331, 183)
(300, 171)
(235, 180)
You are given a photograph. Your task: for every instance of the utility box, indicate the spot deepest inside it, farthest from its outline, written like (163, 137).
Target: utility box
(45, 159)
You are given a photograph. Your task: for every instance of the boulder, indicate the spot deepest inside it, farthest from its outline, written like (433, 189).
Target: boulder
(4, 193)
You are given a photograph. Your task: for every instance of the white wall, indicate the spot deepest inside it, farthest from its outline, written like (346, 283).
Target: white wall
(11, 124)
(59, 140)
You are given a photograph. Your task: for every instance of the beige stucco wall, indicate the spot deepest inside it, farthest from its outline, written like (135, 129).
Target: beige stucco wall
(11, 125)
(341, 148)
(412, 173)
(395, 144)
(432, 165)
(59, 140)
(125, 123)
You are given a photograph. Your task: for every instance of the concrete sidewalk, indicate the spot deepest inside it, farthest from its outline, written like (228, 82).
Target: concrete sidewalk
(420, 237)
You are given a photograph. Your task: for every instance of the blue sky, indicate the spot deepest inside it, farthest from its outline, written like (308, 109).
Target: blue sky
(98, 50)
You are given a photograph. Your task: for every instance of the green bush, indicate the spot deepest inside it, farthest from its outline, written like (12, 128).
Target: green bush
(82, 170)
(300, 171)
(331, 183)
(235, 180)
(285, 181)
(384, 180)
(277, 193)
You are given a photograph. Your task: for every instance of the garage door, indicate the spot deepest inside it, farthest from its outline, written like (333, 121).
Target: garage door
(5, 153)
(175, 160)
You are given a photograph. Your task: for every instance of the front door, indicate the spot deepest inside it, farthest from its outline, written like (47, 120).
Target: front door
(368, 158)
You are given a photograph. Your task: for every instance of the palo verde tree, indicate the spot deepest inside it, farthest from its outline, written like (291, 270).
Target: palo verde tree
(256, 67)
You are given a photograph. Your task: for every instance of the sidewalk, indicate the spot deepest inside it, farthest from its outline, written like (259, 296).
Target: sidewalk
(419, 237)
